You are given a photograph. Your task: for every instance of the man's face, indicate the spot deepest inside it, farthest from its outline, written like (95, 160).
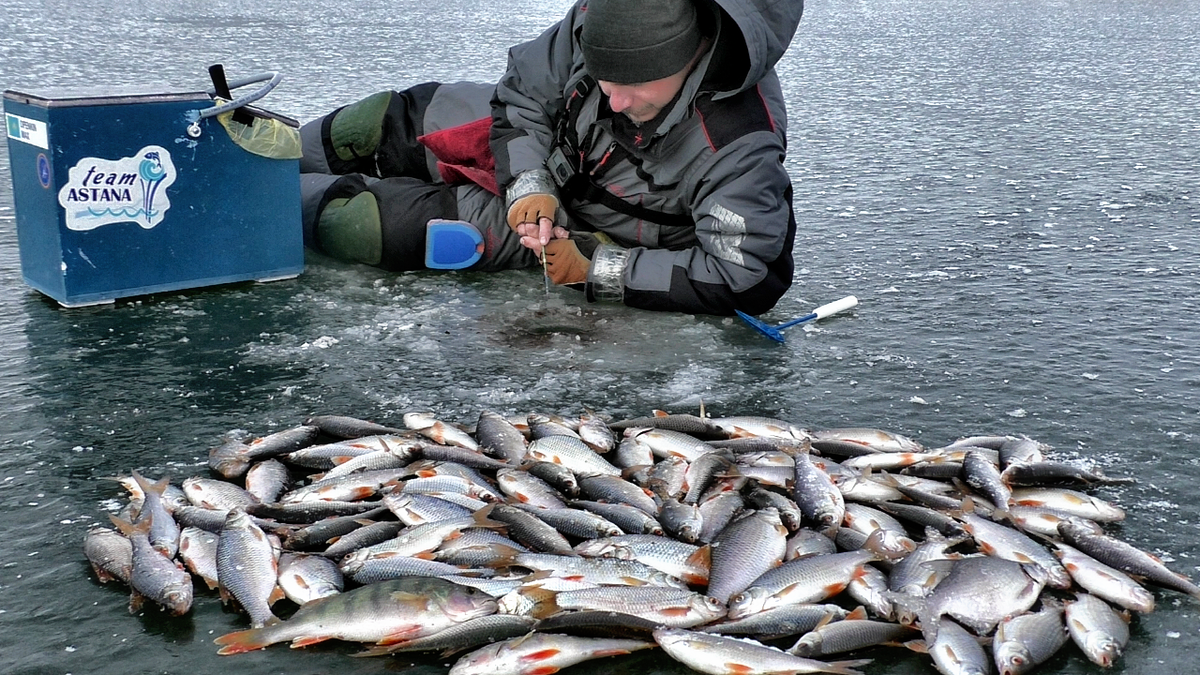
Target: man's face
(642, 102)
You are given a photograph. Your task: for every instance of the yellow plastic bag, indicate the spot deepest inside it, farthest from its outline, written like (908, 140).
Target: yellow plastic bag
(265, 136)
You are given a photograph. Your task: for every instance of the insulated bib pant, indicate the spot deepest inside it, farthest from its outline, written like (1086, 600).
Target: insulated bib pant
(370, 182)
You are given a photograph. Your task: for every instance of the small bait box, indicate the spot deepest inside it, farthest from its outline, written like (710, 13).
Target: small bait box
(124, 194)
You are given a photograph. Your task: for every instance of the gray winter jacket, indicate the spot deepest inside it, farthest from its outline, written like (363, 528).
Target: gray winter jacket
(718, 227)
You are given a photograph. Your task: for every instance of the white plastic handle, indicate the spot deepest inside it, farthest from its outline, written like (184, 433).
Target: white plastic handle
(835, 307)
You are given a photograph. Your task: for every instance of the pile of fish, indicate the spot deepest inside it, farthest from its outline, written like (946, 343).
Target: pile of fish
(737, 545)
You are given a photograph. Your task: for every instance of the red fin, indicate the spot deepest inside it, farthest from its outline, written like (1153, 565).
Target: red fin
(309, 640)
(361, 493)
(241, 641)
(834, 589)
(398, 636)
(547, 653)
(859, 614)
(739, 668)
(542, 670)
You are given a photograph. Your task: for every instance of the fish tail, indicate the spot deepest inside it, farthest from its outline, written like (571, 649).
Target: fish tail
(127, 528)
(483, 519)
(243, 641)
(846, 667)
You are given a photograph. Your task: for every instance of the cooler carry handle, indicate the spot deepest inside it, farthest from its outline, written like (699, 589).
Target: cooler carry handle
(217, 72)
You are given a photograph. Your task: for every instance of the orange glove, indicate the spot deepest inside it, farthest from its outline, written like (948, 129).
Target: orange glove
(565, 264)
(531, 208)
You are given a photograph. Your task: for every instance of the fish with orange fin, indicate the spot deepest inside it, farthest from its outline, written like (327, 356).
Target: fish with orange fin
(383, 613)
(720, 655)
(541, 654)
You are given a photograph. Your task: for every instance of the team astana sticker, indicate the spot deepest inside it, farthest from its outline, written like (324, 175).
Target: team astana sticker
(131, 189)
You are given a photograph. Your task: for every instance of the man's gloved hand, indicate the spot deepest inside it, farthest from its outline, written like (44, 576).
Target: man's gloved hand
(568, 260)
(565, 264)
(532, 207)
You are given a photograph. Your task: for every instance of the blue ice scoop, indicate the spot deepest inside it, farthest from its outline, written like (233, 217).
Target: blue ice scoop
(775, 332)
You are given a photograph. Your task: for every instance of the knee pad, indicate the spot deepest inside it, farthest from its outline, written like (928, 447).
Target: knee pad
(349, 229)
(356, 130)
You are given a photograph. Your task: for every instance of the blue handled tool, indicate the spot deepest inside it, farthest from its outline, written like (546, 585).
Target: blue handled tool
(774, 332)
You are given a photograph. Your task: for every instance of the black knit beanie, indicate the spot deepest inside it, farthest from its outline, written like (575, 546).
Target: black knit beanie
(636, 41)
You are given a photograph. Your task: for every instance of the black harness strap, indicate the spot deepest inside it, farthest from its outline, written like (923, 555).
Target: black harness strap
(581, 186)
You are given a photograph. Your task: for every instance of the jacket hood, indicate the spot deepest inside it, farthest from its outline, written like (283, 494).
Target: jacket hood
(766, 29)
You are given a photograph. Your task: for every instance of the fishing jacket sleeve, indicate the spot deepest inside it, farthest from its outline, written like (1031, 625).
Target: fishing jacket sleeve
(526, 105)
(740, 199)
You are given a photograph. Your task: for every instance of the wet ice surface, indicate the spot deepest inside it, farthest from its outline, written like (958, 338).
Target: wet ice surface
(1009, 189)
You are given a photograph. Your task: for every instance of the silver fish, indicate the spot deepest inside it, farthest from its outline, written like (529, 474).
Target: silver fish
(851, 633)
(1000, 540)
(957, 652)
(109, 553)
(1100, 632)
(1024, 642)
(764, 427)
(979, 592)
(443, 433)
(780, 622)
(744, 550)
(385, 613)
(630, 519)
(665, 443)
(198, 549)
(680, 520)
(1103, 581)
(594, 432)
(1070, 502)
(217, 494)
(575, 522)
(804, 580)
(604, 488)
(720, 655)
(981, 474)
(819, 499)
(247, 568)
(499, 438)
(462, 636)
(304, 578)
(266, 480)
(344, 426)
(164, 531)
(684, 561)
(153, 575)
(573, 454)
(674, 607)
(1124, 556)
(610, 571)
(527, 488)
(718, 511)
(876, 439)
(541, 653)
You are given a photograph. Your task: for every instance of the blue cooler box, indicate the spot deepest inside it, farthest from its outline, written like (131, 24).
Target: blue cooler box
(126, 194)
